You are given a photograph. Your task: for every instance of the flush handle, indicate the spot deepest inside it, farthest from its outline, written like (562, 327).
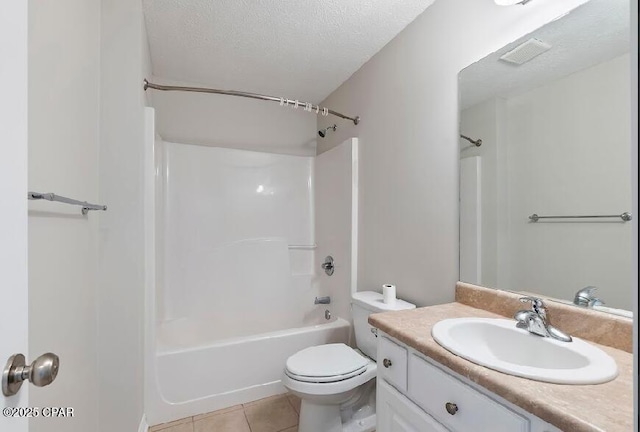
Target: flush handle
(451, 408)
(42, 372)
(386, 363)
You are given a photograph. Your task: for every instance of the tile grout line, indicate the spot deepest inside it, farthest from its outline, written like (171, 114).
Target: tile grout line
(246, 418)
(170, 425)
(294, 410)
(290, 404)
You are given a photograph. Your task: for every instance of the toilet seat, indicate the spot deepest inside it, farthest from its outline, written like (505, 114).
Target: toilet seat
(329, 379)
(315, 389)
(326, 364)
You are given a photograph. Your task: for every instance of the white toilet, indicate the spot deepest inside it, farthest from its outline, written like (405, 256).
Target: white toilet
(336, 382)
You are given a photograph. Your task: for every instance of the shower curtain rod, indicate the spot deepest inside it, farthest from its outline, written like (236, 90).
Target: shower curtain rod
(283, 102)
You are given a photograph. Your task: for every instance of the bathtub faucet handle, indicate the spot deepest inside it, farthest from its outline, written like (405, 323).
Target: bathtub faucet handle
(328, 265)
(322, 300)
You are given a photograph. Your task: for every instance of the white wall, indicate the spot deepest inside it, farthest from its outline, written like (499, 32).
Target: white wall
(568, 147)
(634, 194)
(64, 104)
(407, 98)
(121, 255)
(233, 122)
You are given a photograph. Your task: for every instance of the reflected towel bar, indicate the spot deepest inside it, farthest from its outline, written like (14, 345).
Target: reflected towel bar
(626, 217)
(53, 197)
(303, 247)
(476, 142)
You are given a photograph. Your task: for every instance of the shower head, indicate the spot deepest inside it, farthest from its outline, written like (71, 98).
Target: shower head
(323, 132)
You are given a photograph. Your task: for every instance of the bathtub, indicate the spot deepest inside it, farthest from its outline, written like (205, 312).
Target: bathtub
(198, 374)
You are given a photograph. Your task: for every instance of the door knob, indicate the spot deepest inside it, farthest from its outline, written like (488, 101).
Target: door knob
(42, 372)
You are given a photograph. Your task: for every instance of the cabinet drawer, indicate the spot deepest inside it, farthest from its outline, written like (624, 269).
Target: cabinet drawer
(392, 363)
(432, 388)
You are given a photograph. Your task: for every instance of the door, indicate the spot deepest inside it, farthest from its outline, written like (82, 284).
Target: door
(13, 201)
(396, 413)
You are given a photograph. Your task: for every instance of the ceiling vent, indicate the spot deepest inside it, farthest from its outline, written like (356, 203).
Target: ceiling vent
(526, 51)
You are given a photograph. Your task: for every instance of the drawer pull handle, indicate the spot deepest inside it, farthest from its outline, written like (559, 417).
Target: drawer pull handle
(451, 408)
(387, 363)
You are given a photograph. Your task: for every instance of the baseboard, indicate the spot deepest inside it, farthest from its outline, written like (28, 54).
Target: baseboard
(144, 427)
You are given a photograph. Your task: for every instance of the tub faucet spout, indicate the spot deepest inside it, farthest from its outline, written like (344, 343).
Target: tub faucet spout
(322, 300)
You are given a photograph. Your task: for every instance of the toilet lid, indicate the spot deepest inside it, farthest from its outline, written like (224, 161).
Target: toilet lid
(324, 362)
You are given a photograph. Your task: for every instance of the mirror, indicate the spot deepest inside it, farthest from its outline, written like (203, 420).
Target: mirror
(552, 111)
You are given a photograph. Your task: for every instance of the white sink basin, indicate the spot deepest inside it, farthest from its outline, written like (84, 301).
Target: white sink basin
(498, 344)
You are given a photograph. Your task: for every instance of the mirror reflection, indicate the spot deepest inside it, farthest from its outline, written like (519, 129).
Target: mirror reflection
(545, 181)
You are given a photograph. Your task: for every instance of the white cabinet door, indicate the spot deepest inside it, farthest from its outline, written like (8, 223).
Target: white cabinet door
(396, 413)
(393, 366)
(434, 390)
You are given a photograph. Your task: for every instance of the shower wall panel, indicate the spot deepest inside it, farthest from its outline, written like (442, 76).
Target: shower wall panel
(231, 218)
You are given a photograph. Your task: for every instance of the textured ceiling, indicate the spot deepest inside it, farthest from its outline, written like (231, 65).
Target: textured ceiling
(593, 33)
(301, 49)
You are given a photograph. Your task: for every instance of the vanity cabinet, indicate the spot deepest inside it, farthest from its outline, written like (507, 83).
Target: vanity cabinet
(398, 414)
(415, 394)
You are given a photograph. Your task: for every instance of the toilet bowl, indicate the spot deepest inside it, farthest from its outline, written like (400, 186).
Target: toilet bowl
(325, 378)
(336, 383)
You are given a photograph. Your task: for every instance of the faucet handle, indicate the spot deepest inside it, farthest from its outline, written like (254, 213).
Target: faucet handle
(523, 317)
(595, 301)
(536, 303)
(588, 290)
(586, 297)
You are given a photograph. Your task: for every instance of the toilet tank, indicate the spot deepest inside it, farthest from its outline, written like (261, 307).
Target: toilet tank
(363, 304)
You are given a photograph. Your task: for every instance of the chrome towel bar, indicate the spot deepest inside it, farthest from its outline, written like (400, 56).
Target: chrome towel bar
(53, 197)
(626, 217)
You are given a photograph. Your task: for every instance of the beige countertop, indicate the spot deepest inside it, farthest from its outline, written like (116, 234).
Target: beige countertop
(571, 408)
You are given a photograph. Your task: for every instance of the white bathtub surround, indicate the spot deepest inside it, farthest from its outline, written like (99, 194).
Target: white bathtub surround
(336, 223)
(229, 218)
(144, 426)
(231, 271)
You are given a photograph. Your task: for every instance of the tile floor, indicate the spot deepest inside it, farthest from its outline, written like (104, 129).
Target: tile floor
(273, 414)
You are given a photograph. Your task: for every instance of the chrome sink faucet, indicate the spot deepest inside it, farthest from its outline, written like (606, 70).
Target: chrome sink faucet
(535, 320)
